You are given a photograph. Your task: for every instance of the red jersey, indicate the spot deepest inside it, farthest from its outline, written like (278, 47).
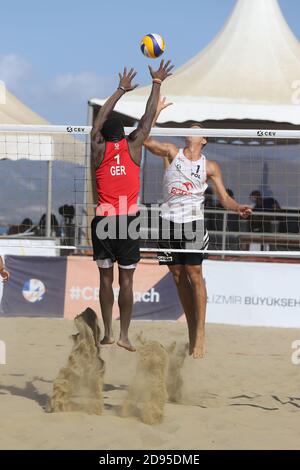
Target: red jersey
(117, 181)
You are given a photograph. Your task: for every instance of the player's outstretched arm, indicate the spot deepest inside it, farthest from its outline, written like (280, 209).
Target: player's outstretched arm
(138, 136)
(3, 273)
(215, 174)
(125, 84)
(161, 149)
(161, 105)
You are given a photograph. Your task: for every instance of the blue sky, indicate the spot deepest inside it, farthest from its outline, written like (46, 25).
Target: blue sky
(55, 55)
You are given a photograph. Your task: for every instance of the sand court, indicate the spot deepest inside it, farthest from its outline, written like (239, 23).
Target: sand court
(244, 394)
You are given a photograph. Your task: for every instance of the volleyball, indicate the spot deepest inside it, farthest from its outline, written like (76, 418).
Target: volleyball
(152, 45)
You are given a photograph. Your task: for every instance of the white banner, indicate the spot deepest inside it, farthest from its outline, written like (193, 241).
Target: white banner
(28, 247)
(253, 294)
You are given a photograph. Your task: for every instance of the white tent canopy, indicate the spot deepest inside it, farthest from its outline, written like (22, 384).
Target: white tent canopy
(249, 71)
(33, 145)
(13, 111)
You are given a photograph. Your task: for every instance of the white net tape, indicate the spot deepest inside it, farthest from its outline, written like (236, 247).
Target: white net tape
(157, 131)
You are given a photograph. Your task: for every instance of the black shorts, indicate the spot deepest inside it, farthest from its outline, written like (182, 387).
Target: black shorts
(174, 236)
(116, 238)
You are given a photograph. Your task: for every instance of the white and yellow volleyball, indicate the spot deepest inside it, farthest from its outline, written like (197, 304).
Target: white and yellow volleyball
(152, 45)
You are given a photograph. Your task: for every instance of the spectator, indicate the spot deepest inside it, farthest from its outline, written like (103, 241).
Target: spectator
(26, 225)
(264, 203)
(41, 227)
(233, 220)
(230, 192)
(13, 230)
(67, 226)
(260, 223)
(210, 204)
(68, 213)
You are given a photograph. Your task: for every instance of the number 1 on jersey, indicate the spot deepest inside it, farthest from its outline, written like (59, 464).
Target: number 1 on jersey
(117, 157)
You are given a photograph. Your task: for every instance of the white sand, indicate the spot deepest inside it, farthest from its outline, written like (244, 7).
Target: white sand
(244, 395)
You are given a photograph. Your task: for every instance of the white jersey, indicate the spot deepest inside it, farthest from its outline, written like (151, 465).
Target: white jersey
(184, 188)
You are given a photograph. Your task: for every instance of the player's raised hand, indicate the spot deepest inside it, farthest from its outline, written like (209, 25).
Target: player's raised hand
(162, 104)
(163, 72)
(244, 211)
(126, 79)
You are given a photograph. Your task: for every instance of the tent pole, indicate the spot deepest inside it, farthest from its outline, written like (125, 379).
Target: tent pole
(49, 200)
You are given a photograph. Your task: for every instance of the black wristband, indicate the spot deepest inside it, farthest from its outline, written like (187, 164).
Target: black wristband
(121, 88)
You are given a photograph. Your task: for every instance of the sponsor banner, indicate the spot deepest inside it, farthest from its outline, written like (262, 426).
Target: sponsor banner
(257, 294)
(240, 293)
(82, 286)
(162, 301)
(151, 297)
(36, 286)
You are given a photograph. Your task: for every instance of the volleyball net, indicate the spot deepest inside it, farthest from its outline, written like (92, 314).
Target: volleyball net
(46, 189)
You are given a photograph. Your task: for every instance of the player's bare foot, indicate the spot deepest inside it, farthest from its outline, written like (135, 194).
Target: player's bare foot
(107, 340)
(198, 350)
(126, 345)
